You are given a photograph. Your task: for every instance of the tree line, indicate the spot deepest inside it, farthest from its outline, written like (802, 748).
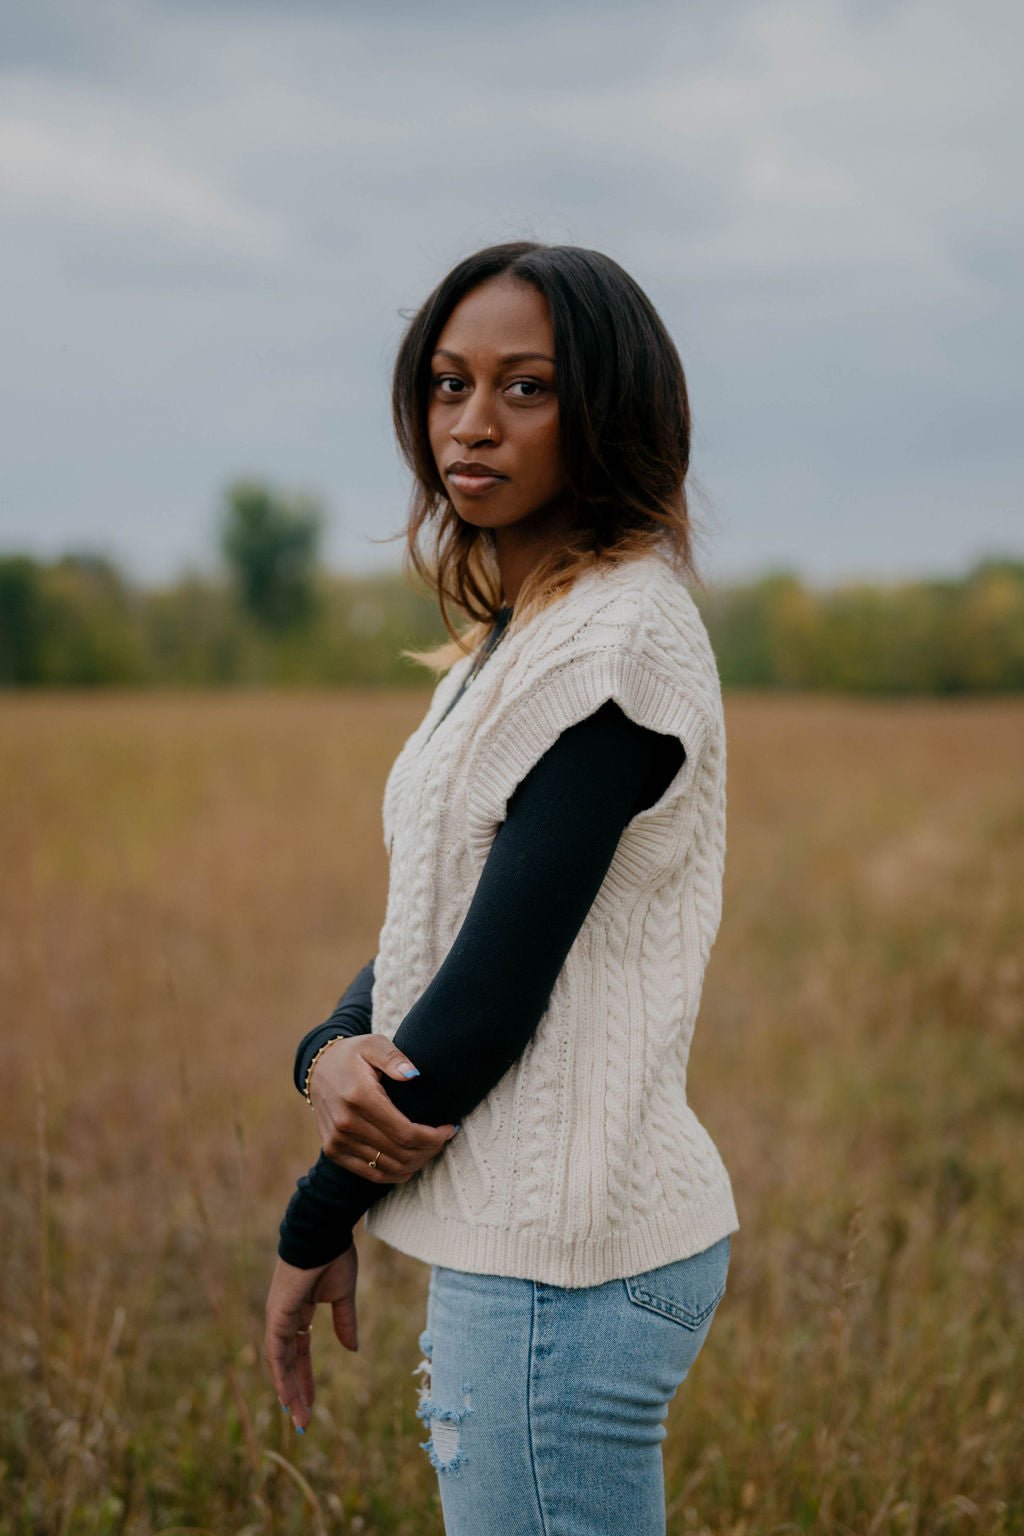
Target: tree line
(278, 618)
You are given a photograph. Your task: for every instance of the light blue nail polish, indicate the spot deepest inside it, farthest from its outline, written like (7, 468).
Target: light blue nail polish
(284, 1407)
(408, 1071)
(299, 1429)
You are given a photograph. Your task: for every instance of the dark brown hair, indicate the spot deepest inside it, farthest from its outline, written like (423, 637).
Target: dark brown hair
(624, 418)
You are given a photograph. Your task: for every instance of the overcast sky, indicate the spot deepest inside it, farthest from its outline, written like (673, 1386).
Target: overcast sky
(215, 211)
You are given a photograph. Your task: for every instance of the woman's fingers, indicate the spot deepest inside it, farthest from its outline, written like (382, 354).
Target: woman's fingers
(290, 1310)
(355, 1135)
(361, 1130)
(304, 1369)
(291, 1307)
(347, 1092)
(368, 1104)
(292, 1377)
(344, 1313)
(356, 1129)
(387, 1058)
(337, 1286)
(376, 1164)
(385, 1171)
(372, 1162)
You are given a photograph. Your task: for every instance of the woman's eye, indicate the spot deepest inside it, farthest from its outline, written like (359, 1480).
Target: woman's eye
(451, 385)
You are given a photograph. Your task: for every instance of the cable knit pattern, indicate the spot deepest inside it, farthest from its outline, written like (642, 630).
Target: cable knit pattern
(585, 1162)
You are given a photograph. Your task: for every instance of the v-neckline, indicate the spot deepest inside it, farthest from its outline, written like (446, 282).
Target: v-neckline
(502, 618)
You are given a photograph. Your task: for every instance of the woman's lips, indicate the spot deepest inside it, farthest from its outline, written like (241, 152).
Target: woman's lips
(475, 485)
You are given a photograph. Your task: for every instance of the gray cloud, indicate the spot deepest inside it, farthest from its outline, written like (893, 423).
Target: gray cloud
(216, 211)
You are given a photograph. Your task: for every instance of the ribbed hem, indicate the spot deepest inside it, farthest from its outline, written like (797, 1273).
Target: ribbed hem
(530, 1255)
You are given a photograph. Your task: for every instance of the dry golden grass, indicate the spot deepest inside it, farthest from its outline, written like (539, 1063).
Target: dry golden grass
(187, 883)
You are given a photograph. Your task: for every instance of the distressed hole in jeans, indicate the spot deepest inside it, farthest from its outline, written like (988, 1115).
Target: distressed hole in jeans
(443, 1447)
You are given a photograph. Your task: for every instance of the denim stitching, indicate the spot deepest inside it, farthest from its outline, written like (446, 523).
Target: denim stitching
(669, 1309)
(529, 1408)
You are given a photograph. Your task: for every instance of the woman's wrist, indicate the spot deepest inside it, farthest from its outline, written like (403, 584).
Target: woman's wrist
(325, 1207)
(315, 1252)
(309, 1070)
(353, 1015)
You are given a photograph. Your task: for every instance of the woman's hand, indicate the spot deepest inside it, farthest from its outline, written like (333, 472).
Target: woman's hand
(291, 1307)
(358, 1123)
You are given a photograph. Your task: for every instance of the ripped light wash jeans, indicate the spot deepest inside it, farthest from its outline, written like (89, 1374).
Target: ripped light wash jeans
(546, 1404)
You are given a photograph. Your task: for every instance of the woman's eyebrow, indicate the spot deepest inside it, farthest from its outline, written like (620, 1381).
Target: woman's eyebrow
(510, 357)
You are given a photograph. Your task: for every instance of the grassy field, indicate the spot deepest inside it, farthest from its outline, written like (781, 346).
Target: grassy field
(186, 884)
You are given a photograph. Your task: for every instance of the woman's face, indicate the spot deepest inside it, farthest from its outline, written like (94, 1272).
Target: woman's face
(493, 412)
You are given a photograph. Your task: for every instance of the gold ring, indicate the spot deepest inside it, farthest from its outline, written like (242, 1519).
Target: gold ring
(304, 1330)
(374, 1163)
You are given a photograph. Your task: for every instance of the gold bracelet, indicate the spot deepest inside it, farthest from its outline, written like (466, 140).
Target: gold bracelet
(313, 1063)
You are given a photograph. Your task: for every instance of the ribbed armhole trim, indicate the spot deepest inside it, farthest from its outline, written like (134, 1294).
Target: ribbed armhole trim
(522, 732)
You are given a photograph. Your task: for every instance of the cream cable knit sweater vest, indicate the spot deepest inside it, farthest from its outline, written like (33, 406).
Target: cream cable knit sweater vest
(585, 1162)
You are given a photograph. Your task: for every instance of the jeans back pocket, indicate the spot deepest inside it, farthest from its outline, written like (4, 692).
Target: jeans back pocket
(687, 1290)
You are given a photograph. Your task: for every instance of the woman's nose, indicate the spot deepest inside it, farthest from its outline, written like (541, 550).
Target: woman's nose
(475, 426)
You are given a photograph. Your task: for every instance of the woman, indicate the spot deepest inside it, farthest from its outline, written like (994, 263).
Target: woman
(556, 831)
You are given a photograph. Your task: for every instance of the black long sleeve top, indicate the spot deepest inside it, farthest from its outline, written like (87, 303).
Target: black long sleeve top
(545, 866)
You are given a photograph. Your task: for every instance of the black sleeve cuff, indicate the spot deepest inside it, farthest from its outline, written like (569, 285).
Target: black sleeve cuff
(326, 1204)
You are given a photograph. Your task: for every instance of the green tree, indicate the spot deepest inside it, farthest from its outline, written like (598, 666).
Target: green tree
(271, 543)
(22, 620)
(92, 624)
